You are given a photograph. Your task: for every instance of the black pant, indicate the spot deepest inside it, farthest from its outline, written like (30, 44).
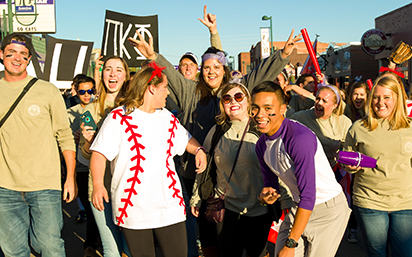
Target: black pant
(239, 232)
(171, 239)
(92, 232)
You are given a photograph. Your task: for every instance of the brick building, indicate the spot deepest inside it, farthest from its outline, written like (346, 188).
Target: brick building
(397, 25)
(344, 63)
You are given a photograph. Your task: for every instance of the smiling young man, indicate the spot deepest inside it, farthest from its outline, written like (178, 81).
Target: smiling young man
(291, 152)
(30, 184)
(188, 66)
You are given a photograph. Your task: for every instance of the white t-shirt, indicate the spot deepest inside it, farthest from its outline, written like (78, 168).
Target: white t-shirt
(146, 190)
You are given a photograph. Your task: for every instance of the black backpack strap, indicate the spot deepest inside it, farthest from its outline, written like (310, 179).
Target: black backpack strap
(219, 132)
(208, 180)
(25, 90)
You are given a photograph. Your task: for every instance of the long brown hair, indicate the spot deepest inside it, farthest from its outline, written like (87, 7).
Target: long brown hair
(135, 95)
(356, 113)
(202, 87)
(102, 89)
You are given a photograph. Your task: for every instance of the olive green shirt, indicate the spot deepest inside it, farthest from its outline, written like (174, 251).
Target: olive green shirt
(31, 137)
(388, 186)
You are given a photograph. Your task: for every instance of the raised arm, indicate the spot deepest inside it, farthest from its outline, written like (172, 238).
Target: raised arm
(98, 64)
(209, 20)
(182, 90)
(270, 68)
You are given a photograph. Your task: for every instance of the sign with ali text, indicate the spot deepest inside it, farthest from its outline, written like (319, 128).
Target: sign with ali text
(119, 27)
(373, 41)
(65, 59)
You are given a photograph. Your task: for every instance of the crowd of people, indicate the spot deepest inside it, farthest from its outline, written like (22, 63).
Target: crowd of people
(257, 144)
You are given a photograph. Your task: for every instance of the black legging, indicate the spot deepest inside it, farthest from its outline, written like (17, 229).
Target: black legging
(172, 241)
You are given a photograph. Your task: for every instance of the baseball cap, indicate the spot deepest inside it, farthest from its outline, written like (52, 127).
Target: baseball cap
(190, 56)
(9, 40)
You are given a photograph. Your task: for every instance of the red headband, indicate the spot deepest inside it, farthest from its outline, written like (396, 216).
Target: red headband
(400, 74)
(157, 70)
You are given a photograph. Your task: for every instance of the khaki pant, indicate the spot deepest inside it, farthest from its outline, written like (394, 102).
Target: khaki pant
(324, 230)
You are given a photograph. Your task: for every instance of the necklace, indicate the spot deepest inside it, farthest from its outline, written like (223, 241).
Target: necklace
(238, 127)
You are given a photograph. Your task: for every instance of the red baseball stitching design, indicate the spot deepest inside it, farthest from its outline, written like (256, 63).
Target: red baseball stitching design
(170, 172)
(130, 128)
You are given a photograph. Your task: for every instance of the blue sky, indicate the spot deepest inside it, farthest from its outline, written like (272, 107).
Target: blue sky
(238, 21)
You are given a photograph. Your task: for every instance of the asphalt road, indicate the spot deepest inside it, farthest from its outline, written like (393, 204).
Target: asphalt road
(74, 234)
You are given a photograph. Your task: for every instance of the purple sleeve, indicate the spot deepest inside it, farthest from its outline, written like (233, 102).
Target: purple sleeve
(301, 147)
(269, 178)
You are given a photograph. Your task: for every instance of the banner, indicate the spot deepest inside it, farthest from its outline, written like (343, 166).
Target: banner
(65, 59)
(264, 43)
(119, 27)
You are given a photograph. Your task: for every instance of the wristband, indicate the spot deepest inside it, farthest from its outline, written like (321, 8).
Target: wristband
(200, 148)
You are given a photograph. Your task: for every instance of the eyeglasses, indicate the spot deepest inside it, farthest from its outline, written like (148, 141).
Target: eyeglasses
(89, 91)
(228, 98)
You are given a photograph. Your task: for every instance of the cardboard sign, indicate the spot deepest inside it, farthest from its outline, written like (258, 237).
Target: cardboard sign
(119, 27)
(65, 59)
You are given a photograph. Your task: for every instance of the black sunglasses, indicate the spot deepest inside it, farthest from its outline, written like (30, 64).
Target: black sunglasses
(228, 98)
(89, 91)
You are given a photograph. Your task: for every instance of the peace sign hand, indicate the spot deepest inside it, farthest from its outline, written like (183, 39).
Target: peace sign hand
(291, 44)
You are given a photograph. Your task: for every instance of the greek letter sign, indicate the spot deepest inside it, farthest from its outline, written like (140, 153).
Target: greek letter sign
(118, 27)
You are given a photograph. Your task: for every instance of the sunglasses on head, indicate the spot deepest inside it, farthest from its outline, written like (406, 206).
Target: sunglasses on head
(89, 91)
(228, 98)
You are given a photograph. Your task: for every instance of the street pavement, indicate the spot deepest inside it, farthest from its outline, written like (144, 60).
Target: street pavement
(74, 235)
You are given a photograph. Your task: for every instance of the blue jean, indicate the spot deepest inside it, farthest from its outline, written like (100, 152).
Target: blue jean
(382, 227)
(112, 238)
(191, 231)
(31, 216)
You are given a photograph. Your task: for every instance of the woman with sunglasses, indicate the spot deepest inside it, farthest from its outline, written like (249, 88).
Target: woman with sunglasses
(246, 223)
(112, 85)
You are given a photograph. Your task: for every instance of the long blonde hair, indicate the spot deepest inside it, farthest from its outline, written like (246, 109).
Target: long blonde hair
(398, 118)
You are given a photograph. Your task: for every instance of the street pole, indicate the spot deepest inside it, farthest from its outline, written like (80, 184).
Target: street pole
(10, 16)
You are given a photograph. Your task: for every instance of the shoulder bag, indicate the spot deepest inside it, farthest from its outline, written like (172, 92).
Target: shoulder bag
(215, 206)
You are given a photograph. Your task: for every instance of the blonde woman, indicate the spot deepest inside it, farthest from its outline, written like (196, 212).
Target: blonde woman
(382, 196)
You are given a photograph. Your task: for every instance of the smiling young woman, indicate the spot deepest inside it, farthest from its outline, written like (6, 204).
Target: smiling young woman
(246, 223)
(112, 84)
(383, 195)
(143, 168)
